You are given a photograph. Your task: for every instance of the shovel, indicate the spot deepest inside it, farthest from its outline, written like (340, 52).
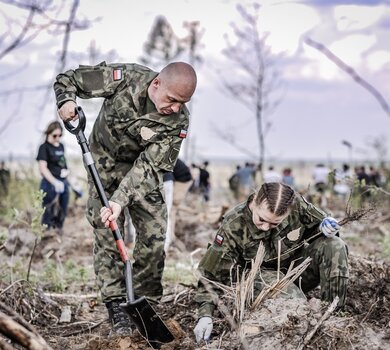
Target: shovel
(148, 323)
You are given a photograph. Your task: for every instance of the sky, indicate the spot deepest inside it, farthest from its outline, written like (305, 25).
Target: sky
(320, 105)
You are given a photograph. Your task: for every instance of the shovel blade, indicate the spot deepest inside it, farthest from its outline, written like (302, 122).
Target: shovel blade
(148, 323)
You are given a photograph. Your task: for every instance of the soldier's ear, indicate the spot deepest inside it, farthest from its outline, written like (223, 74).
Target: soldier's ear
(156, 82)
(252, 203)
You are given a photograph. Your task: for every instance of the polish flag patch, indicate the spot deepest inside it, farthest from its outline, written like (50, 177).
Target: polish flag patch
(183, 134)
(117, 74)
(218, 239)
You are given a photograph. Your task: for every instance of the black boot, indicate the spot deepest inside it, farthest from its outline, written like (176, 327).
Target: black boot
(120, 321)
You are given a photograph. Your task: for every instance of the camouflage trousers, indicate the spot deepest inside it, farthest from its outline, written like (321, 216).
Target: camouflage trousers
(328, 269)
(149, 218)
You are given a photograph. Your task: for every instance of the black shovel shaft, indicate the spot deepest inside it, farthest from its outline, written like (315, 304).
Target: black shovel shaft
(89, 162)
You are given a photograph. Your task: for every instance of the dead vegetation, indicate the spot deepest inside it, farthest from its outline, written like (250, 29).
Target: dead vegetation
(75, 318)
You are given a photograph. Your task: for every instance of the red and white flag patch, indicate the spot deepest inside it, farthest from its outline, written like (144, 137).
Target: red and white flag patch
(117, 74)
(183, 134)
(218, 239)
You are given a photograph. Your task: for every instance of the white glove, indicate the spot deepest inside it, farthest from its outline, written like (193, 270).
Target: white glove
(59, 186)
(329, 227)
(203, 329)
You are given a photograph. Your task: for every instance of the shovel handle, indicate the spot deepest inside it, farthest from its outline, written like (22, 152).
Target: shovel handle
(78, 130)
(119, 241)
(80, 127)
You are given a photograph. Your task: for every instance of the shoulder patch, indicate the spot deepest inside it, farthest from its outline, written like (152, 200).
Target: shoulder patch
(117, 74)
(218, 239)
(92, 79)
(294, 235)
(183, 133)
(147, 133)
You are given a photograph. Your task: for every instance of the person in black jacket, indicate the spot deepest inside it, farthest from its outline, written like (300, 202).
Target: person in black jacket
(204, 181)
(176, 186)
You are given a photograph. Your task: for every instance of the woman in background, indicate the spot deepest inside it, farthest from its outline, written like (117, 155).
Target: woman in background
(53, 168)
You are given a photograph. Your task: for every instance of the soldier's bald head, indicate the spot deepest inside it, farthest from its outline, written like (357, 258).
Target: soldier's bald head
(181, 76)
(172, 87)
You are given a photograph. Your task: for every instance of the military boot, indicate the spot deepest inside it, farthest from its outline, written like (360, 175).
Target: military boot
(120, 321)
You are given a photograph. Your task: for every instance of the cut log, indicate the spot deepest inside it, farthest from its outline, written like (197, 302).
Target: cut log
(21, 335)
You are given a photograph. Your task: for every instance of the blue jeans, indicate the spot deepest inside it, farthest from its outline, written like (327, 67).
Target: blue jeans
(55, 204)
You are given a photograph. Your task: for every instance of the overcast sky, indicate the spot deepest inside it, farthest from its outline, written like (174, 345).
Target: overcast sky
(321, 104)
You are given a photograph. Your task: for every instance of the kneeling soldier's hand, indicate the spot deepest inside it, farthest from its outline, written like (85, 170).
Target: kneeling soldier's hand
(329, 227)
(203, 329)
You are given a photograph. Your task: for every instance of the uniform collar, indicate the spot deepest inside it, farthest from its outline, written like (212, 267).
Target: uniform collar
(141, 92)
(247, 214)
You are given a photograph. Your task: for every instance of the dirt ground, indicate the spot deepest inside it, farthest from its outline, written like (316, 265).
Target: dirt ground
(278, 324)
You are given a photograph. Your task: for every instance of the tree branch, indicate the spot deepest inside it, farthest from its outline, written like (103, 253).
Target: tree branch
(229, 138)
(348, 69)
(21, 35)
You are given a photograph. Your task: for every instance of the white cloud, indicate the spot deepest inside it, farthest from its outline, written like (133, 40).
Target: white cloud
(286, 24)
(354, 17)
(376, 60)
(351, 47)
(319, 66)
(318, 90)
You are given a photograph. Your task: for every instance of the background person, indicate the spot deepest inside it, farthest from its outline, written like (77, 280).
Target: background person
(342, 181)
(234, 183)
(5, 178)
(271, 175)
(54, 171)
(246, 182)
(268, 216)
(135, 139)
(176, 186)
(204, 181)
(321, 178)
(288, 177)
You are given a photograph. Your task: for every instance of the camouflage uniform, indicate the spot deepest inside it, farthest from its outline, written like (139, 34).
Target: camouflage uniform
(237, 242)
(132, 145)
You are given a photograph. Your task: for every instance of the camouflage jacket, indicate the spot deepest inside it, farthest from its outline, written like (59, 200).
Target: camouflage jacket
(131, 143)
(237, 241)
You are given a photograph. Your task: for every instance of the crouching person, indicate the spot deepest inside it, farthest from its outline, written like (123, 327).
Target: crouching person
(275, 213)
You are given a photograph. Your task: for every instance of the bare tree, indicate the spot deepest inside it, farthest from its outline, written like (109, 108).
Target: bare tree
(254, 77)
(164, 46)
(33, 18)
(192, 42)
(22, 31)
(349, 70)
(193, 45)
(26, 20)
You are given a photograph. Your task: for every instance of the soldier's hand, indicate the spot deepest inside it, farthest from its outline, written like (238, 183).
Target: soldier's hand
(110, 214)
(67, 112)
(329, 227)
(203, 329)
